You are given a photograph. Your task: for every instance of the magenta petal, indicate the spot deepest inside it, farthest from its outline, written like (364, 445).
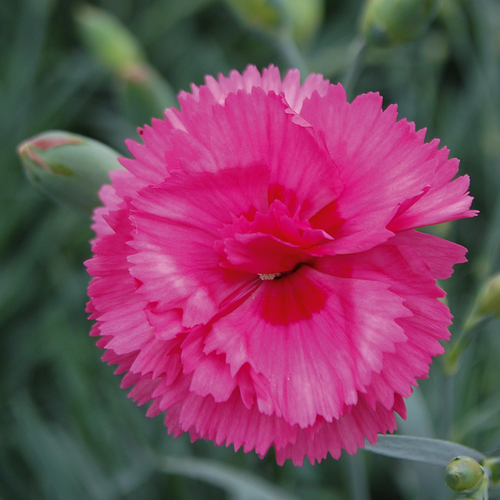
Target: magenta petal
(181, 198)
(255, 129)
(293, 91)
(175, 258)
(440, 255)
(382, 163)
(156, 358)
(332, 333)
(251, 429)
(271, 243)
(212, 376)
(410, 277)
(262, 254)
(166, 279)
(347, 433)
(295, 94)
(449, 202)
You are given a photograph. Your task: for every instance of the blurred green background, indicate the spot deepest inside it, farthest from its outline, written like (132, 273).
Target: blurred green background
(66, 429)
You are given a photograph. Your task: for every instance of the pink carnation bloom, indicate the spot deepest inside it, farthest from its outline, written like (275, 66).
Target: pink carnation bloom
(257, 271)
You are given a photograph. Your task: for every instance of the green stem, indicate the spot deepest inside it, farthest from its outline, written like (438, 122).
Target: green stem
(453, 355)
(465, 337)
(355, 69)
(447, 405)
(358, 480)
(236, 482)
(289, 50)
(451, 364)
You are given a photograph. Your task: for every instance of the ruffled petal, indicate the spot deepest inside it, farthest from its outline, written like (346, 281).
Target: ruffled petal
(410, 277)
(382, 163)
(440, 255)
(175, 231)
(269, 81)
(331, 333)
(349, 433)
(254, 130)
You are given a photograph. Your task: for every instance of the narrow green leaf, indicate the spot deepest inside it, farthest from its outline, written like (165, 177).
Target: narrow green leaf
(240, 484)
(485, 416)
(431, 451)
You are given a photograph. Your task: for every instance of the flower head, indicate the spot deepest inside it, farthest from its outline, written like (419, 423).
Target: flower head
(257, 272)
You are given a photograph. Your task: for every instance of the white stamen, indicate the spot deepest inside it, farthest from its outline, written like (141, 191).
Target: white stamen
(269, 277)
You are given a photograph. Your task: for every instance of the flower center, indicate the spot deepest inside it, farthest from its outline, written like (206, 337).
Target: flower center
(272, 245)
(270, 276)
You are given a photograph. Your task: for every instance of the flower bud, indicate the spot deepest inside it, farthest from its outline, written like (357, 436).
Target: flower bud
(487, 302)
(464, 475)
(390, 22)
(143, 93)
(488, 298)
(67, 167)
(107, 39)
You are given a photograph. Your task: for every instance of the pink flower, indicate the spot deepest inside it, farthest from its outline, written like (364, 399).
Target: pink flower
(257, 271)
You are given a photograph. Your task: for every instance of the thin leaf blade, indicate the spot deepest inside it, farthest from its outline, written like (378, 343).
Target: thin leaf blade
(418, 449)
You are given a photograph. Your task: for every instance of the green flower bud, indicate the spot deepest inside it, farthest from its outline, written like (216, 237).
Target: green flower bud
(492, 467)
(464, 475)
(108, 40)
(390, 22)
(67, 167)
(488, 298)
(487, 302)
(143, 93)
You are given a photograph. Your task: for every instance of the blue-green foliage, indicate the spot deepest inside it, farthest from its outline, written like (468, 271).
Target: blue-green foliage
(66, 429)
